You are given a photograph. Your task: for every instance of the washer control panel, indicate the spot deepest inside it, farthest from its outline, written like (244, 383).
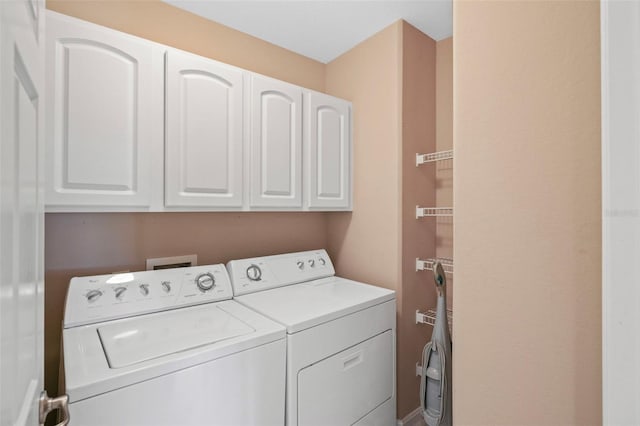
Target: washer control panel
(263, 273)
(106, 297)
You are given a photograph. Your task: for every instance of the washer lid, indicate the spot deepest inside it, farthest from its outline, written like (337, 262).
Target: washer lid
(88, 373)
(304, 305)
(143, 338)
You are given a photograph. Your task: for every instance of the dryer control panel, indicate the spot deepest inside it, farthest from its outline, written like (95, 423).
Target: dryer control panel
(106, 297)
(263, 273)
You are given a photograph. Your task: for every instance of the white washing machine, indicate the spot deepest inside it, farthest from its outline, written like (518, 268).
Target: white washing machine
(340, 337)
(169, 347)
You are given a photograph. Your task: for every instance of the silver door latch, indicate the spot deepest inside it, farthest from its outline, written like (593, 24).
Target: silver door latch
(48, 405)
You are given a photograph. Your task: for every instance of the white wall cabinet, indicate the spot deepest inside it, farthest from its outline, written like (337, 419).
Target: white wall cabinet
(100, 103)
(132, 125)
(204, 132)
(276, 143)
(327, 147)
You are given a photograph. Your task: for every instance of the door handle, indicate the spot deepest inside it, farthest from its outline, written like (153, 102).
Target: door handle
(48, 405)
(352, 360)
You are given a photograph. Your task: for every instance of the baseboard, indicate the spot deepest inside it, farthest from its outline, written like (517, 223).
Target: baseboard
(414, 418)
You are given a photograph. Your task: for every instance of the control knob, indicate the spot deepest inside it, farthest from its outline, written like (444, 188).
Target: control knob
(322, 261)
(300, 264)
(93, 295)
(144, 289)
(312, 263)
(119, 292)
(205, 282)
(166, 286)
(254, 273)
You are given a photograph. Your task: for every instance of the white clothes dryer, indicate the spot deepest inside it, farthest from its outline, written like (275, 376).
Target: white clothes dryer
(169, 347)
(340, 337)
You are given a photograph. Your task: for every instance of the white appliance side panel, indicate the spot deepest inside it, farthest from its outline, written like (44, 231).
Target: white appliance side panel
(328, 151)
(344, 388)
(276, 143)
(245, 388)
(204, 132)
(99, 125)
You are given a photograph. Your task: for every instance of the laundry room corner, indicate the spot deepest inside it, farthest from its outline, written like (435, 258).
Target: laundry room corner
(391, 80)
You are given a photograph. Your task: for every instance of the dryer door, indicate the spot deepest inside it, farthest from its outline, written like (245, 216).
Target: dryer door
(345, 387)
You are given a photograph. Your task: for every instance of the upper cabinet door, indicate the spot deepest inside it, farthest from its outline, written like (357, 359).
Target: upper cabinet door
(327, 152)
(204, 132)
(100, 89)
(276, 144)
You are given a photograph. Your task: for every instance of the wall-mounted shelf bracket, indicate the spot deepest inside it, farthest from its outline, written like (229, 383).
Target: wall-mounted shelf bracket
(424, 318)
(433, 211)
(429, 317)
(434, 156)
(427, 264)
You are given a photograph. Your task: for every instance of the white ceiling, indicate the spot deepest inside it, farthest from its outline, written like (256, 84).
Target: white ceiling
(322, 29)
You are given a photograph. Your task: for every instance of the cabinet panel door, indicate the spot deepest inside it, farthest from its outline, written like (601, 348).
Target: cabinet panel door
(204, 132)
(99, 105)
(328, 152)
(276, 144)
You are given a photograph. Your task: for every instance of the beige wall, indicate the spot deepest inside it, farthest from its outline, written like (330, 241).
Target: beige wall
(82, 244)
(444, 94)
(365, 244)
(390, 79)
(527, 213)
(163, 23)
(444, 141)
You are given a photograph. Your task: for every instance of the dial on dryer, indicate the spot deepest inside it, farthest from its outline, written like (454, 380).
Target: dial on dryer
(254, 273)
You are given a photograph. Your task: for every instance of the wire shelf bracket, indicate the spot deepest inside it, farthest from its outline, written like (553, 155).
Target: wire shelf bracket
(427, 264)
(433, 211)
(433, 157)
(429, 317)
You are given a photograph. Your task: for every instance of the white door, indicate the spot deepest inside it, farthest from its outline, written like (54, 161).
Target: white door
(276, 144)
(21, 212)
(100, 115)
(327, 152)
(204, 140)
(620, 26)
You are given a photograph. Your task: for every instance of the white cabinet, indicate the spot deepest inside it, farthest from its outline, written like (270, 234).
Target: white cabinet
(100, 109)
(204, 132)
(132, 125)
(327, 152)
(276, 144)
